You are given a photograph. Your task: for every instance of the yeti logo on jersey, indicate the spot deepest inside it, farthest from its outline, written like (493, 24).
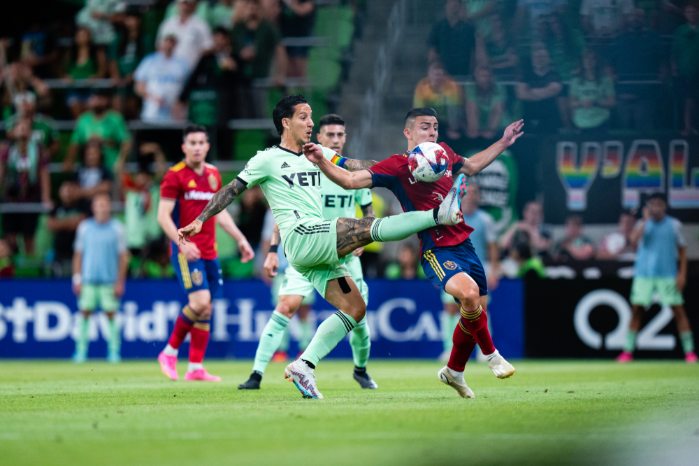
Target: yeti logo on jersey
(285, 165)
(197, 277)
(449, 265)
(303, 179)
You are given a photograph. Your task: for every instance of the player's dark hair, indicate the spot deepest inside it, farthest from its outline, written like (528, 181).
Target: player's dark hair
(193, 129)
(285, 108)
(330, 119)
(657, 195)
(418, 112)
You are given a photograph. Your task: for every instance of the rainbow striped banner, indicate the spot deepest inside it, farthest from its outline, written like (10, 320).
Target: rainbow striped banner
(612, 158)
(577, 177)
(681, 195)
(643, 173)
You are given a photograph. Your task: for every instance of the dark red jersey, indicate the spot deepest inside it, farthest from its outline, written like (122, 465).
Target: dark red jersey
(394, 174)
(192, 192)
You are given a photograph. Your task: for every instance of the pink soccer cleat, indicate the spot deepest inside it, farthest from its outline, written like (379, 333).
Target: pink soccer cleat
(691, 357)
(168, 364)
(201, 374)
(624, 357)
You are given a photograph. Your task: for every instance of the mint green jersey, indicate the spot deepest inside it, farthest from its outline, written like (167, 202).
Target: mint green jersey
(339, 203)
(291, 183)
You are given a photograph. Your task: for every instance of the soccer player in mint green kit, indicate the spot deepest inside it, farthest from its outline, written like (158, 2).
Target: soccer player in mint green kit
(661, 246)
(290, 179)
(100, 263)
(295, 289)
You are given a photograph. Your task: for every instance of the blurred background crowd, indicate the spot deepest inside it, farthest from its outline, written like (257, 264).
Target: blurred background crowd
(92, 93)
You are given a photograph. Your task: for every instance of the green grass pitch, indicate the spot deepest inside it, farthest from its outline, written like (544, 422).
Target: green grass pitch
(554, 412)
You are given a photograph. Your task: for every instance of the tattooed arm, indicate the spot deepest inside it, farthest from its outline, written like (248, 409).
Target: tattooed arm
(221, 199)
(368, 210)
(344, 178)
(353, 165)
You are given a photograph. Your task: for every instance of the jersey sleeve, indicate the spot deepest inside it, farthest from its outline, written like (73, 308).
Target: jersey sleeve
(170, 187)
(121, 236)
(679, 236)
(383, 174)
(457, 161)
(362, 197)
(143, 70)
(328, 153)
(255, 171)
(79, 243)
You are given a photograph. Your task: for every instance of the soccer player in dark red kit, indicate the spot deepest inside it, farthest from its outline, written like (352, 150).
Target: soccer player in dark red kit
(448, 257)
(184, 192)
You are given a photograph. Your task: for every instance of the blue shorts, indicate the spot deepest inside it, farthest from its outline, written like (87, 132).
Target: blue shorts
(202, 274)
(440, 264)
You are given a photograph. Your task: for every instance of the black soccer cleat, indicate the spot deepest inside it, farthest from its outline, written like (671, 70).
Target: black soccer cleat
(253, 383)
(364, 380)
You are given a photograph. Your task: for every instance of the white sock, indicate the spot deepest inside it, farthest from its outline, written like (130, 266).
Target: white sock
(492, 355)
(193, 366)
(456, 375)
(170, 351)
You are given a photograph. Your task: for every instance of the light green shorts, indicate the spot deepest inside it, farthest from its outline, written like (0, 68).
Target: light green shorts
(292, 283)
(311, 248)
(94, 296)
(642, 291)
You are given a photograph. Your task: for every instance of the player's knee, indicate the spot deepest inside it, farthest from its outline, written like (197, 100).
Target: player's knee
(206, 313)
(469, 297)
(285, 309)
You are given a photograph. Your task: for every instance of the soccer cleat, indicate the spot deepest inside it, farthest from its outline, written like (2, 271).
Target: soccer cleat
(460, 386)
(365, 380)
(304, 379)
(201, 375)
(252, 383)
(168, 364)
(280, 356)
(449, 212)
(624, 357)
(500, 367)
(691, 357)
(460, 185)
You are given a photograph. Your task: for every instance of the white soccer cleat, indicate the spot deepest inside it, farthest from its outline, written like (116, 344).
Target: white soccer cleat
(500, 367)
(460, 386)
(449, 212)
(304, 379)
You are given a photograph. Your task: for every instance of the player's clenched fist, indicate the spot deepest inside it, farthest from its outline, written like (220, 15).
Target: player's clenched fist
(313, 152)
(190, 230)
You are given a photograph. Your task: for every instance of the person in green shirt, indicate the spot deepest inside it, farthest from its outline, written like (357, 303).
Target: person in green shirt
(130, 51)
(222, 14)
(485, 105)
(103, 124)
(43, 128)
(685, 63)
(85, 61)
(592, 96)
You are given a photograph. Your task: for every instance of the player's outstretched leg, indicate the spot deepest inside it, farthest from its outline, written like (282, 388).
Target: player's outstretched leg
(269, 342)
(360, 341)
(453, 373)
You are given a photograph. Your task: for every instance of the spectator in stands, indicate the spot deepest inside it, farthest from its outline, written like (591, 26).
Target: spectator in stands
(406, 266)
(440, 92)
(18, 78)
(193, 34)
(38, 50)
(296, 21)
(618, 245)
(92, 177)
(256, 42)
(201, 11)
(529, 265)
(636, 56)
(99, 16)
(129, 54)
(63, 222)
(24, 177)
(453, 41)
(592, 96)
(102, 124)
(485, 105)
(539, 90)
(476, 12)
(484, 236)
(251, 217)
(43, 127)
(221, 15)
(603, 19)
(7, 268)
(685, 64)
(529, 12)
(575, 246)
(538, 234)
(85, 61)
(208, 91)
(497, 51)
(159, 79)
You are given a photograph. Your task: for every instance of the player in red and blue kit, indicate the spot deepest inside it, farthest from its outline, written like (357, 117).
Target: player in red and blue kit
(448, 257)
(184, 192)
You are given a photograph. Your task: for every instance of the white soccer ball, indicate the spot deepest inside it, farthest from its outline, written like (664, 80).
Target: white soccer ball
(428, 162)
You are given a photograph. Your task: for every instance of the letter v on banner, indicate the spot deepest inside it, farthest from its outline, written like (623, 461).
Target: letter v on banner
(577, 174)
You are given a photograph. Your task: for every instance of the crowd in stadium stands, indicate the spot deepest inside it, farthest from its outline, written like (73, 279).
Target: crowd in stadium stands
(566, 67)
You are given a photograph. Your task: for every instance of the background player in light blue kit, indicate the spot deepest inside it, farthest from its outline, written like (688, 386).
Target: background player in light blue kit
(100, 263)
(660, 246)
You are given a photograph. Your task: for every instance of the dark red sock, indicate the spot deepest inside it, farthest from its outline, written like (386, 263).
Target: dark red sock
(476, 322)
(462, 349)
(179, 333)
(199, 341)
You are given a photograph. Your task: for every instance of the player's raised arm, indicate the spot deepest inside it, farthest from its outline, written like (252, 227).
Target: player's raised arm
(220, 201)
(341, 177)
(479, 161)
